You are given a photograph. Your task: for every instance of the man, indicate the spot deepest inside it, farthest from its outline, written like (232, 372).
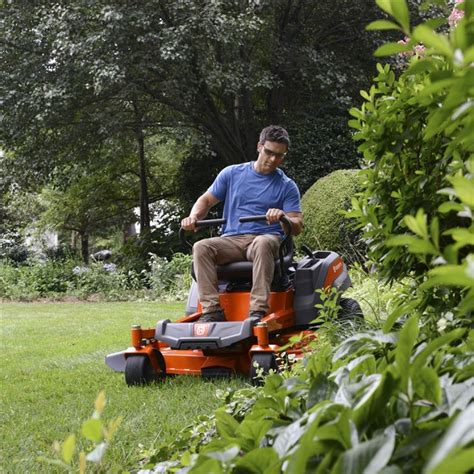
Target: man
(248, 189)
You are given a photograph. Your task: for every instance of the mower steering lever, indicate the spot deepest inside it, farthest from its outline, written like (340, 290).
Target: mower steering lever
(198, 224)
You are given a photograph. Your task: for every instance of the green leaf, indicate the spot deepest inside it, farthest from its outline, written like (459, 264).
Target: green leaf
(459, 434)
(389, 49)
(253, 432)
(420, 66)
(354, 124)
(421, 358)
(406, 342)
(467, 304)
(450, 206)
(430, 39)
(401, 14)
(366, 340)
(207, 466)
(368, 457)
(459, 462)
(414, 244)
(449, 275)
(227, 426)
(225, 455)
(321, 389)
(288, 437)
(92, 430)
(434, 231)
(426, 384)
(402, 309)
(435, 23)
(464, 188)
(417, 224)
(258, 461)
(382, 25)
(357, 113)
(68, 449)
(415, 442)
(462, 236)
(337, 430)
(385, 5)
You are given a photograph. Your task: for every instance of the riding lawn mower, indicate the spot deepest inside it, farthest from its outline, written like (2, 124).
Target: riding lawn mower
(240, 345)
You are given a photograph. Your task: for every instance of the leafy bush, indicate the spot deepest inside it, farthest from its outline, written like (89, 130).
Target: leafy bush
(320, 145)
(56, 279)
(417, 141)
(171, 278)
(378, 400)
(35, 280)
(12, 247)
(325, 228)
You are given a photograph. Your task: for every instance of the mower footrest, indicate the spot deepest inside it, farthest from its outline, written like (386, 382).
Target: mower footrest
(203, 335)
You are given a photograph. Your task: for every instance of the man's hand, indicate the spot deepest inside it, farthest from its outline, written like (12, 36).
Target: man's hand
(189, 223)
(274, 215)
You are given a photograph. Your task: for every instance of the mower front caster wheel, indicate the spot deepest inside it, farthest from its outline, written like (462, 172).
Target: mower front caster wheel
(260, 367)
(140, 371)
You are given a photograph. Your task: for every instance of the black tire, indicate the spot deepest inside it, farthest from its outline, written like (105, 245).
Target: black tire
(261, 364)
(140, 371)
(350, 309)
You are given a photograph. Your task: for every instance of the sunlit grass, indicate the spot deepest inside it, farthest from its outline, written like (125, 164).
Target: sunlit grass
(53, 368)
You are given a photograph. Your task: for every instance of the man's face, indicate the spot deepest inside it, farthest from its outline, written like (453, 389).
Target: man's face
(270, 156)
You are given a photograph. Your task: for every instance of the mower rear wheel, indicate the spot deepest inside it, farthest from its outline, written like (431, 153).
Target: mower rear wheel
(260, 366)
(350, 309)
(140, 371)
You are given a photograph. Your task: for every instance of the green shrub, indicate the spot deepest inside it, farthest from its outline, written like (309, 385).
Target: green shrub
(324, 226)
(171, 279)
(35, 279)
(320, 143)
(166, 279)
(416, 135)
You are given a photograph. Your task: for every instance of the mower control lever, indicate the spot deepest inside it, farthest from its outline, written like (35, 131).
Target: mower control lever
(204, 223)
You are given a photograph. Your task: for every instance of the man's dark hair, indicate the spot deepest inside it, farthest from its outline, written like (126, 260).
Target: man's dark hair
(274, 133)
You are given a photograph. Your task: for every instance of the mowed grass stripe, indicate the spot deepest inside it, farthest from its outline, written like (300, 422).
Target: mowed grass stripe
(53, 367)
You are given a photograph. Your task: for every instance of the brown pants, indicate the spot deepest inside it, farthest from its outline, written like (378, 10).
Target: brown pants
(260, 249)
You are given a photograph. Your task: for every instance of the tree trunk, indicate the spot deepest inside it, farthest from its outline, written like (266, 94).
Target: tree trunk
(144, 198)
(85, 247)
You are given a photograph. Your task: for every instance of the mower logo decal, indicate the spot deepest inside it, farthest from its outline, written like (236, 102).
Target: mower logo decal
(201, 329)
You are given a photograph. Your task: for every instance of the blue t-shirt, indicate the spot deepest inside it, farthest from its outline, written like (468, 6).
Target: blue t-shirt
(248, 193)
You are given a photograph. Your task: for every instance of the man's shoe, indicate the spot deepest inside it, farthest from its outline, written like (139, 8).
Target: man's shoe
(257, 314)
(213, 317)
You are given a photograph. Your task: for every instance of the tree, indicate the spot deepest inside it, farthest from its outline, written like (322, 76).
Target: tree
(78, 73)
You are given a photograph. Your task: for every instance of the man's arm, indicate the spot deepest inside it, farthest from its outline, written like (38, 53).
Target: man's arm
(199, 210)
(296, 218)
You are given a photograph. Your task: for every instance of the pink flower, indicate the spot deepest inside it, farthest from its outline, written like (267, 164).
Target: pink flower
(456, 15)
(418, 49)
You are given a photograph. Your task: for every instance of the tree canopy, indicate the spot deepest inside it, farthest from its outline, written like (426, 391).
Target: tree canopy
(88, 82)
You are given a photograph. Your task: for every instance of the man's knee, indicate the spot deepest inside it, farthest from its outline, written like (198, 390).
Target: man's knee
(201, 249)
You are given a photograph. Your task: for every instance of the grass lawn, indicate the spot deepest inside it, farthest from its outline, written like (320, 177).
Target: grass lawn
(53, 368)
